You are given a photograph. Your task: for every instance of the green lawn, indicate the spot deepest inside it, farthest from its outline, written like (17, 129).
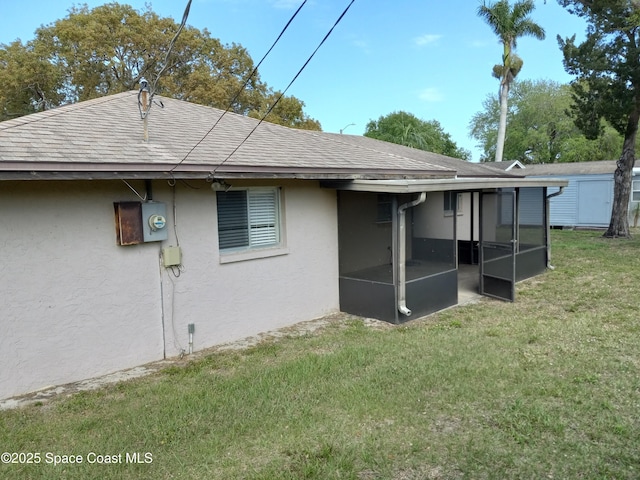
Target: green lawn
(547, 387)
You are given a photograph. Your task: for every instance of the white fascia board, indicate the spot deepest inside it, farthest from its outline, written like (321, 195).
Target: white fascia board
(439, 185)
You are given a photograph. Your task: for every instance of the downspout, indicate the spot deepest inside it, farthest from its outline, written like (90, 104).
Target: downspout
(548, 225)
(402, 253)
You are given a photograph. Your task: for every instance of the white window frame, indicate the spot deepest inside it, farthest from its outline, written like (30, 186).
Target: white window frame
(446, 202)
(264, 226)
(635, 191)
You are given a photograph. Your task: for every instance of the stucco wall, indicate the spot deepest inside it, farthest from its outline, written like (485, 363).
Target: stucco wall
(430, 220)
(228, 301)
(76, 305)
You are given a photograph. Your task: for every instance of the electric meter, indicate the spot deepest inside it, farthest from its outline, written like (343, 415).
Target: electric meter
(157, 222)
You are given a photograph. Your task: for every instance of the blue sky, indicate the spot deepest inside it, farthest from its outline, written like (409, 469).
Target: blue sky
(432, 58)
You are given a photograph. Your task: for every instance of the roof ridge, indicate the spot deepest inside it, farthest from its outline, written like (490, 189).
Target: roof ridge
(61, 110)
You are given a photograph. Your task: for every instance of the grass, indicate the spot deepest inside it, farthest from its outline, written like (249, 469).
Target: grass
(547, 387)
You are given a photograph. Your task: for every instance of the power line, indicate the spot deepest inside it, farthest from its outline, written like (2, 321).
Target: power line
(185, 15)
(233, 101)
(285, 90)
(144, 110)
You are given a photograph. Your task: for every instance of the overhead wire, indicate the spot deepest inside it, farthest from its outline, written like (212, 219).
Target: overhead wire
(152, 90)
(285, 90)
(144, 199)
(185, 15)
(244, 85)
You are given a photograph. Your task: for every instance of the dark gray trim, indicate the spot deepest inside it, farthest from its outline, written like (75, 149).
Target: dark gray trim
(530, 263)
(498, 256)
(368, 299)
(430, 294)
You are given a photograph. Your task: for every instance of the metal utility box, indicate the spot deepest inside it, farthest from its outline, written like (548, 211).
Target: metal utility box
(128, 223)
(154, 221)
(171, 256)
(138, 222)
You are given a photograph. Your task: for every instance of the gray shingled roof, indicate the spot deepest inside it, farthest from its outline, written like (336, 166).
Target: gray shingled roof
(462, 167)
(503, 166)
(512, 166)
(103, 138)
(577, 168)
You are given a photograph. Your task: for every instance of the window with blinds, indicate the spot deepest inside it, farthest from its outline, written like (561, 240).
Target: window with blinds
(248, 218)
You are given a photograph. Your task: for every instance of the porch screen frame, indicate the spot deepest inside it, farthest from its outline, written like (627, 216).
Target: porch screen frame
(497, 256)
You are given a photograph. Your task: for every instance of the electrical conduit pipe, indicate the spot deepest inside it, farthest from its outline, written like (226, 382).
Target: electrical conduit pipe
(402, 253)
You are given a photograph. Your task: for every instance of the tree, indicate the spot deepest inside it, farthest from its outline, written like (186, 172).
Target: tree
(540, 131)
(288, 111)
(607, 66)
(106, 50)
(28, 82)
(408, 130)
(509, 24)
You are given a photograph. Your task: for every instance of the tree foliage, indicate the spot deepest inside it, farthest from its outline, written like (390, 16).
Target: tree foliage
(106, 50)
(509, 23)
(607, 69)
(28, 82)
(288, 111)
(406, 129)
(540, 131)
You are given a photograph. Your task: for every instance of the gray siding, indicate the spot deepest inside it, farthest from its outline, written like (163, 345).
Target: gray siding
(585, 202)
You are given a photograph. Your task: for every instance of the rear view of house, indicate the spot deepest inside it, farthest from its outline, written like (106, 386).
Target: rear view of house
(121, 250)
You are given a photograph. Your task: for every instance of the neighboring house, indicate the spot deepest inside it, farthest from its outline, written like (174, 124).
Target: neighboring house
(588, 198)
(515, 165)
(118, 250)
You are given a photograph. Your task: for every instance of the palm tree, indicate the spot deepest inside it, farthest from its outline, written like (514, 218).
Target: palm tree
(509, 24)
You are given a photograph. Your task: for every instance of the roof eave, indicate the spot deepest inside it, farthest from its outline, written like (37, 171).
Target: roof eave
(106, 171)
(437, 185)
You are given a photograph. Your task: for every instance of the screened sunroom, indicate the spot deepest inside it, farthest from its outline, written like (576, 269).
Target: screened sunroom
(402, 243)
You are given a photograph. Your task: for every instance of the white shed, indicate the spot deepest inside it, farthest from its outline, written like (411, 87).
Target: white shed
(587, 200)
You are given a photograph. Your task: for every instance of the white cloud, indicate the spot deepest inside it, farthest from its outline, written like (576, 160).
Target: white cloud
(427, 39)
(431, 94)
